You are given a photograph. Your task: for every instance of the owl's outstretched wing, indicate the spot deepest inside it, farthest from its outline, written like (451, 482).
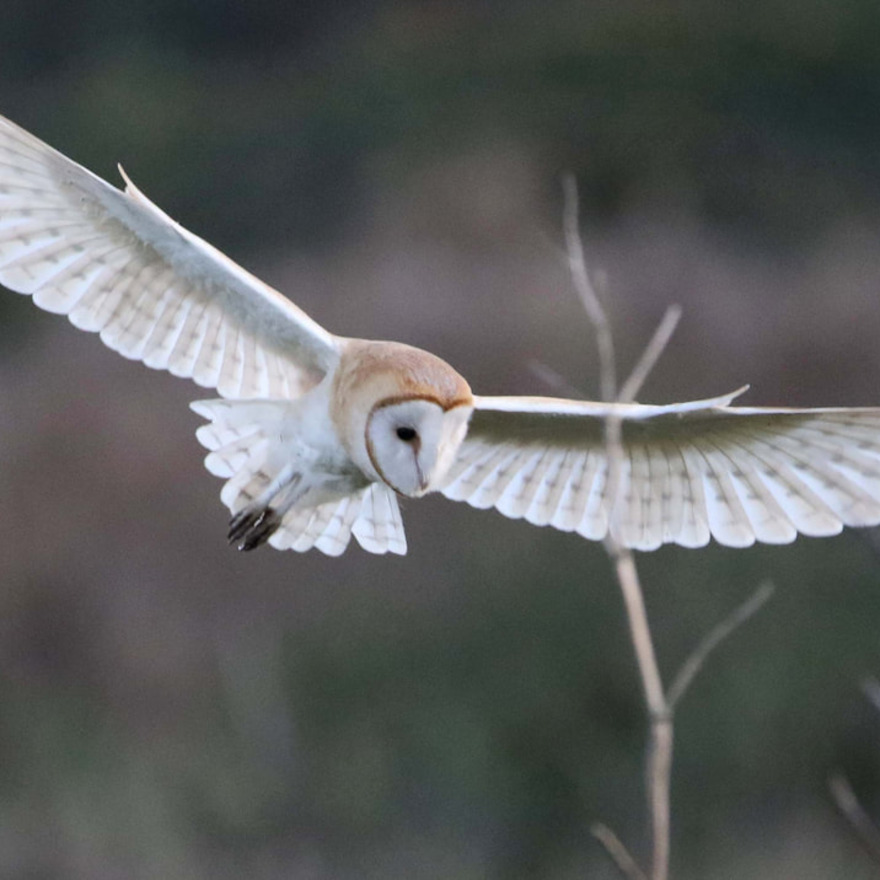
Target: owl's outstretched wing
(116, 264)
(690, 471)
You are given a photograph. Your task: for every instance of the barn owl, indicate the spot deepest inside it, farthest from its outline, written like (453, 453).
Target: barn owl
(317, 435)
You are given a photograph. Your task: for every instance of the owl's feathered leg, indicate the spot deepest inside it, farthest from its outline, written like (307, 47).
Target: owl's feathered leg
(282, 489)
(254, 524)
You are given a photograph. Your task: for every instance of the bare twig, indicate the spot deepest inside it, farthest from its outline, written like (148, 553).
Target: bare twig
(713, 639)
(661, 733)
(587, 292)
(659, 761)
(641, 633)
(614, 420)
(864, 827)
(554, 380)
(871, 689)
(660, 706)
(854, 813)
(618, 853)
(650, 355)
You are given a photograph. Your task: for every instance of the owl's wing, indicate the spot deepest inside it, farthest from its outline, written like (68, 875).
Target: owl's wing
(116, 264)
(690, 471)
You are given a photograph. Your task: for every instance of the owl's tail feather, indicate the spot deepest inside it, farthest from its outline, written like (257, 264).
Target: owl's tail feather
(270, 501)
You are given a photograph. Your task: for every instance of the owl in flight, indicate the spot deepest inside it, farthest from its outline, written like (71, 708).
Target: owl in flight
(317, 435)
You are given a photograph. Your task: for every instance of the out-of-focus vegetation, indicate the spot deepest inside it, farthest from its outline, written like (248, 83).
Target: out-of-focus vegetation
(171, 709)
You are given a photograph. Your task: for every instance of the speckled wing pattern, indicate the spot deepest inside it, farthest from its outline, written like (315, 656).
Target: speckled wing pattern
(117, 265)
(690, 472)
(371, 515)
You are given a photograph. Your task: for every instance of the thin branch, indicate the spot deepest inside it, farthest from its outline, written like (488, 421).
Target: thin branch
(640, 631)
(614, 454)
(658, 769)
(555, 381)
(660, 705)
(713, 639)
(614, 421)
(854, 813)
(861, 823)
(618, 853)
(871, 689)
(659, 761)
(587, 292)
(661, 734)
(650, 355)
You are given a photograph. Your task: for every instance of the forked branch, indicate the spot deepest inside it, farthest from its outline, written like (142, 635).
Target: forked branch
(660, 705)
(860, 822)
(857, 817)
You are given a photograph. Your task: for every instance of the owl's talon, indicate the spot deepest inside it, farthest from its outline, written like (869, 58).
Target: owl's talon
(251, 527)
(240, 523)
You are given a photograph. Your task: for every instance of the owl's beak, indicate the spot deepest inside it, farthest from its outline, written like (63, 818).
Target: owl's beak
(423, 480)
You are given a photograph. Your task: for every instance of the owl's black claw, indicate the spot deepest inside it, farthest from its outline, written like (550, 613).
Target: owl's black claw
(250, 528)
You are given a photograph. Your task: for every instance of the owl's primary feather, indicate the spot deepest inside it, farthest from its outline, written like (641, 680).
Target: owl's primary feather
(317, 431)
(690, 471)
(117, 265)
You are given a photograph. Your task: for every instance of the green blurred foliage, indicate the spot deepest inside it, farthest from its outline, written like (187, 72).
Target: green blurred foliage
(759, 117)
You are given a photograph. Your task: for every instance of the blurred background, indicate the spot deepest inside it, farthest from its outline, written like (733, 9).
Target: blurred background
(170, 708)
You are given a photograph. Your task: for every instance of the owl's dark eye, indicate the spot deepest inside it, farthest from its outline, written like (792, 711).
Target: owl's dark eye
(406, 434)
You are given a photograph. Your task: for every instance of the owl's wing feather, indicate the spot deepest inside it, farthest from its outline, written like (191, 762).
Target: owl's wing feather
(327, 527)
(115, 264)
(371, 515)
(378, 527)
(690, 471)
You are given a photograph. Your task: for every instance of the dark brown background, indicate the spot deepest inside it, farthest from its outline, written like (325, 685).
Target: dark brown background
(169, 708)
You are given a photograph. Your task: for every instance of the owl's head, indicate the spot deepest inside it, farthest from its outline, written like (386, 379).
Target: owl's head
(401, 412)
(412, 442)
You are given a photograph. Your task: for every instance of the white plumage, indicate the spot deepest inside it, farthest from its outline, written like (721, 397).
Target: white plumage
(316, 435)
(737, 474)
